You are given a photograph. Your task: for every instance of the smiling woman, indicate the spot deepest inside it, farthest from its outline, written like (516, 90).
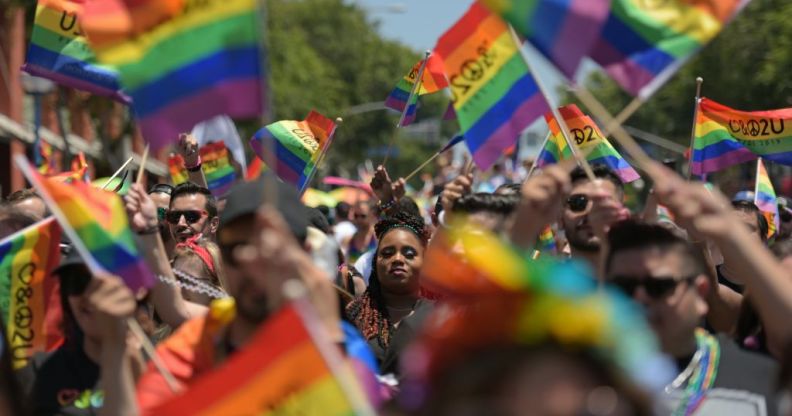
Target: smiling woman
(391, 309)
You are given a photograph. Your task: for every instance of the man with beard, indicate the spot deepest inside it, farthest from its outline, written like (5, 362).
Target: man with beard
(586, 208)
(192, 211)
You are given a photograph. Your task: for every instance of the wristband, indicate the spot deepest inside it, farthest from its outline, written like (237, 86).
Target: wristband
(194, 168)
(386, 206)
(150, 230)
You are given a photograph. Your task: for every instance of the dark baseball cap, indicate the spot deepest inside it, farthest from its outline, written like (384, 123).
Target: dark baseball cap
(246, 198)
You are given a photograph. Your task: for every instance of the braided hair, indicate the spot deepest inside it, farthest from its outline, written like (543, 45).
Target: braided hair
(369, 312)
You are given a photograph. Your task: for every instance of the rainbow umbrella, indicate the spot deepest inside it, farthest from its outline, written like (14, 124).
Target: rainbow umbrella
(314, 197)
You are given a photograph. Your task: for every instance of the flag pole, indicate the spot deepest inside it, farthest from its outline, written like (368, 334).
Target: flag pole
(553, 108)
(90, 262)
(756, 185)
(270, 180)
(415, 88)
(624, 114)
(541, 148)
(322, 155)
(423, 165)
(699, 81)
(142, 169)
(118, 172)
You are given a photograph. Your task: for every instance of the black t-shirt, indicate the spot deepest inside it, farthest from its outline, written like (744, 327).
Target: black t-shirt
(728, 283)
(62, 382)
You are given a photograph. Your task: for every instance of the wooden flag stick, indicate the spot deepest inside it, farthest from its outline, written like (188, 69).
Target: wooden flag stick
(625, 114)
(423, 165)
(142, 169)
(90, 262)
(699, 81)
(415, 89)
(541, 148)
(134, 326)
(553, 108)
(118, 172)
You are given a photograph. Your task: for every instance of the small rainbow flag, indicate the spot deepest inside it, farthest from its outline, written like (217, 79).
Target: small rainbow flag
(29, 296)
(176, 168)
(494, 95)
(433, 80)
(255, 168)
(78, 172)
(181, 62)
(726, 137)
(280, 371)
(547, 243)
(100, 224)
(298, 145)
(765, 199)
(45, 162)
(643, 42)
(215, 164)
(586, 135)
(563, 31)
(58, 51)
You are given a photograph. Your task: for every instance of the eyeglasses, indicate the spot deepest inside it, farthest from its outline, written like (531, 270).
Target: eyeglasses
(161, 214)
(577, 202)
(655, 287)
(192, 216)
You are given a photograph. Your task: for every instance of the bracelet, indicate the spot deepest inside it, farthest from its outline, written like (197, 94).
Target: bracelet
(196, 167)
(386, 206)
(150, 230)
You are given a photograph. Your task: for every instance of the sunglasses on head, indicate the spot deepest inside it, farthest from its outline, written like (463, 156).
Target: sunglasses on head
(192, 216)
(577, 202)
(655, 287)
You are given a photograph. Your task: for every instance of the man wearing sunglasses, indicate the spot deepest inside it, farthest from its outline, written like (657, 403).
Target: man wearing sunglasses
(192, 211)
(160, 194)
(668, 276)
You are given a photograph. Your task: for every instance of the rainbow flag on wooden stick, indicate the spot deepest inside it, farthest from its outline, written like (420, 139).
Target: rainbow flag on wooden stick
(216, 165)
(29, 296)
(564, 31)
(58, 51)
(96, 223)
(765, 199)
(494, 95)
(726, 137)
(298, 146)
(643, 43)
(282, 371)
(181, 62)
(587, 136)
(433, 80)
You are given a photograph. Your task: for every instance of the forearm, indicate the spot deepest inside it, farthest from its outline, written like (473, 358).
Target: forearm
(118, 381)
(197, 178)
(167, 299)
(724, 303)
(525, 230)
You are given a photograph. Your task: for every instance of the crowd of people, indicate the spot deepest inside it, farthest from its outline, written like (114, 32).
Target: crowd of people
(711, 292)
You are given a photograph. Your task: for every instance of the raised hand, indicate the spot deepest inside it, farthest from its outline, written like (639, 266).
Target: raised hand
(141, 209)
(605, 211)
(188, 149)
(542, 201)
(461, 185)
(384, 188)
(111, 302)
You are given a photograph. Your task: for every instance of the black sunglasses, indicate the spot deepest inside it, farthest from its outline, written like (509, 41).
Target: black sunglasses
(577, 202)
(192, 216)
(655, 287)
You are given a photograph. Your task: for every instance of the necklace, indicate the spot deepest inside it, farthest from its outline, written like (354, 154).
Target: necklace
(700, 374)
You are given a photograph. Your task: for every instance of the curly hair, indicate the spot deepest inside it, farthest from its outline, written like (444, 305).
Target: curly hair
(369, 312)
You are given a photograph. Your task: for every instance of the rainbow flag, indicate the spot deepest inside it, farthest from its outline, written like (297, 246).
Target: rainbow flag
(765, 199)
(494, 95)
(726, 137)
(280, 371)
(588, 138)
(181, 62)
(58, 51)
(297, 145)
(433, 80)
(44, 158)
(176, 168)
(220, 174)
(255, 168)
(547, 243)
(643, 43)
(100, 222)
(564, 31)
(29, 296)
(78, 172)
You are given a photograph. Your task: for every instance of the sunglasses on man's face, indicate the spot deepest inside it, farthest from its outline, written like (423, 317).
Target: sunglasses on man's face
(191, 216)
(577, 202)
(655, 287)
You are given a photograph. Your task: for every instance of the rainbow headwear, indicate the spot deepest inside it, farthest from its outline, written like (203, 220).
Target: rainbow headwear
(504, 298)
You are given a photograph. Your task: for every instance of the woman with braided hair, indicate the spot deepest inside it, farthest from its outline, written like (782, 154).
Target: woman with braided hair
(390, 311)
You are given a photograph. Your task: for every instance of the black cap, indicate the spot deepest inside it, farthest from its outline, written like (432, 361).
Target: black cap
(71, 259)
(246, 197)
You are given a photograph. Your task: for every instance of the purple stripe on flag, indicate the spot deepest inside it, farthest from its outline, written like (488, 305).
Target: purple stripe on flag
(136, 275)
(236, 98)
(628, 175)
(286, 173)
(75, 83)
(578, 33)
(722, 162)
(506, 135)
(630, 75)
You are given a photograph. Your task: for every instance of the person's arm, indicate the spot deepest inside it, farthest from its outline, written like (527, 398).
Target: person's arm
(166, 299)
(724, 303)
(189, 151)
(388, 193)
(542, 201)
(457, 188)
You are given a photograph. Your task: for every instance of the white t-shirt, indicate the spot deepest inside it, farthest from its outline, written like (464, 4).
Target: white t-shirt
(363, 265)
(342, 231)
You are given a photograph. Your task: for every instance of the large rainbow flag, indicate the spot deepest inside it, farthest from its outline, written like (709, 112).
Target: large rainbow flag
(433, 80)
(765, 199)
(564, 31)
(726, 137)
(181, 62)
(494, 95)
(643, 43)
(58, 51)
(100, 222)
(29, 296)
(281, 371)
(588, 138)
(298, 145)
